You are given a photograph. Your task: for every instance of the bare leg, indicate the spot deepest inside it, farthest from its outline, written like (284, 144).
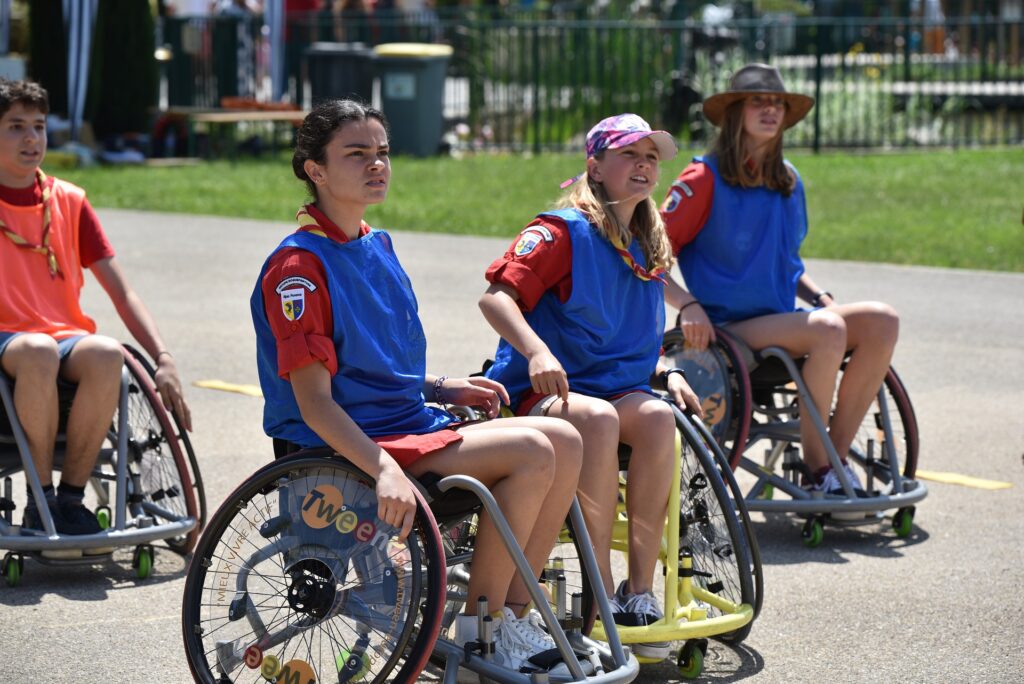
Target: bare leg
(872, 330)
(598, 425)
(821, 336)
(648, 426)
(519, 464)
(33, 361)
(95, 365)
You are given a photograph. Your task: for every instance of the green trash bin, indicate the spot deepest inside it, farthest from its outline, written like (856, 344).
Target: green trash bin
(412, 79)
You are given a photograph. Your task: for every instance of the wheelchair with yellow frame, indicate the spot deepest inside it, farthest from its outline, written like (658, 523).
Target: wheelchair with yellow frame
(296, 579)
(755, 399)
(711, 563)
(146, 484)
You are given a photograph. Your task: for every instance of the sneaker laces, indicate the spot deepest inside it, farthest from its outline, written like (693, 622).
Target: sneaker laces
(645, 604)
(509, 643)
(528, 630)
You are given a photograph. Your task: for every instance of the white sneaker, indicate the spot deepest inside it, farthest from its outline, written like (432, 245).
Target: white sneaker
(519, 639)
(830, 484)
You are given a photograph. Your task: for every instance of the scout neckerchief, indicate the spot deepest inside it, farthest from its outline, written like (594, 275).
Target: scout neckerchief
(306, 219)
(638, 270)
(43, 247)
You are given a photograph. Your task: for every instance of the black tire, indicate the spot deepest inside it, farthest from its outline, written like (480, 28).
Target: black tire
(162, 471)
(756, 573)
(180, 435)
(296, 565)
(724, 562)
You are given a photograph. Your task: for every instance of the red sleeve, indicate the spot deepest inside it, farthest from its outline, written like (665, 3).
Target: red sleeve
(92, 241)
(688, 204)
(539, 260)
(298, 307)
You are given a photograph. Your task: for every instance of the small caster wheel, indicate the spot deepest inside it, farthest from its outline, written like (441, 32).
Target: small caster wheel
(691, 658)
(103, 517)
(142, 561)
(351, 667)
(813, 533)
(11, 568)
(903, 522)
(768, 493)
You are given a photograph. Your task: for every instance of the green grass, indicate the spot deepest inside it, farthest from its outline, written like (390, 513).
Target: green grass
(958, 209)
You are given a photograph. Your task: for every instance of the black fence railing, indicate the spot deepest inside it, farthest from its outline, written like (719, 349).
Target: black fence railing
(529, 84)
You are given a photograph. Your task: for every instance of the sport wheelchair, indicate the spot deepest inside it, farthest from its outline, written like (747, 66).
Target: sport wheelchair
(753, 397)
(711, 563)
(147, 457)
(296, 579)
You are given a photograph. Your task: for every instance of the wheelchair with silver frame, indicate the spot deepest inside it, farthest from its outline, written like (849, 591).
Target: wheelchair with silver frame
(757, 399)
(296, 579)
(146, 482)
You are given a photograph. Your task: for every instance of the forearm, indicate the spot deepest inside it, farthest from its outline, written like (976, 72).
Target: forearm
(502, 312)
(140, 324)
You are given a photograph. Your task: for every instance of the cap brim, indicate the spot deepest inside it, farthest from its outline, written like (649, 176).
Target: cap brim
(663, 140)
(797, 105)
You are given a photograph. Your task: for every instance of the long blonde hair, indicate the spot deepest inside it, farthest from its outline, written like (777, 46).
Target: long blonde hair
(732, 160)
(590, 198)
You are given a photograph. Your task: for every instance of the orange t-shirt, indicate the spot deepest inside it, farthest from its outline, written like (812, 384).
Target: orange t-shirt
(30, 299)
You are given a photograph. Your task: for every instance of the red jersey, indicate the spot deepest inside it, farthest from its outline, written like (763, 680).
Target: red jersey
(540, 259)
(688, 205)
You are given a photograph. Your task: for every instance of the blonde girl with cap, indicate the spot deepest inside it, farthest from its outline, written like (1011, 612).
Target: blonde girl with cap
(578, 300)
(736, 218)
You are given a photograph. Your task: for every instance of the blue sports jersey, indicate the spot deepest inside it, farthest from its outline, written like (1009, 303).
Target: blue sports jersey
(377, 336)
(745, 261)
(607, 334)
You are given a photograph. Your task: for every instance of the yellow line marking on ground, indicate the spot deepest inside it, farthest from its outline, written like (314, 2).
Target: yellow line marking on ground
(962, 480)
(220, 385)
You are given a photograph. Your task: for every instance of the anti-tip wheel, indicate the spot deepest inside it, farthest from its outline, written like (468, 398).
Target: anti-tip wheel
(691, 658)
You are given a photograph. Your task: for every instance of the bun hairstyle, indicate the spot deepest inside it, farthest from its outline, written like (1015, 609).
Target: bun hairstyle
(319, 127)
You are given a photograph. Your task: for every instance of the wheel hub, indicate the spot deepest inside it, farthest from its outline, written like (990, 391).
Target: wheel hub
(311, 589)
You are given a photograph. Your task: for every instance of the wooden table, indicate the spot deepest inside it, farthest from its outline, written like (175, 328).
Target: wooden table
(223, 123)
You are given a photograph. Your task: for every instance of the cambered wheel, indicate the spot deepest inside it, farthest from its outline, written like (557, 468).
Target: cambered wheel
(906, 440)
(296, 574)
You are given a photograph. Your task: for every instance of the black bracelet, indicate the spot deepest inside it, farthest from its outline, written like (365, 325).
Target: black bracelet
(439, 389)
(663, 375)
(819, 295)
(690, 303)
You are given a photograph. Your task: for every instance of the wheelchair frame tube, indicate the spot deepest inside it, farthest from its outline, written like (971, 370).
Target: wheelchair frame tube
(120, 519)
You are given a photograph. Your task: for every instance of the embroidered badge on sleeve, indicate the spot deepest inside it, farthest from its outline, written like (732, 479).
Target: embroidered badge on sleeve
(527, 243)
(293, 303)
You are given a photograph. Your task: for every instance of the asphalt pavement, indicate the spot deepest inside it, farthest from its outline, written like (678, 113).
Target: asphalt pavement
(944, 605)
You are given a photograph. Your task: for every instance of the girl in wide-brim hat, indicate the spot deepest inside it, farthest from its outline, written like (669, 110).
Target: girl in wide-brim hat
(736, 218)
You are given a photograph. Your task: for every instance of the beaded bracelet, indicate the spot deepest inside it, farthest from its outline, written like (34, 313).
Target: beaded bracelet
(439, 389)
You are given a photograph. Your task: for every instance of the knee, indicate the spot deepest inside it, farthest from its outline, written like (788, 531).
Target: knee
(885, 323)
(599, 420)
(37, 357)
(568, 447)
(536, 457)
(103, 358)
(658, 424)
(829, 329)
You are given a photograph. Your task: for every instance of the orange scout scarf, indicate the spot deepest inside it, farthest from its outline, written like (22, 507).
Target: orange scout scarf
(43, 247)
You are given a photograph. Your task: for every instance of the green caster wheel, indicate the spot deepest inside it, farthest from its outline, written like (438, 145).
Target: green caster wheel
(903, 522)
(347, 662)
(768, 493)
(143, 562)
(813, 533)
(691, 658)
(12, 566)
(103, 517)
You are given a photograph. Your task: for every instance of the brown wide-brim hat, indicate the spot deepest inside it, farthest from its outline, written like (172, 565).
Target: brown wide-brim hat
(757, 79)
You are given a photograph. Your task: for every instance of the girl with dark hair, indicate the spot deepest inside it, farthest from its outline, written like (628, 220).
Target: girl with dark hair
(578, 301)
(736, 217)
(341, 356)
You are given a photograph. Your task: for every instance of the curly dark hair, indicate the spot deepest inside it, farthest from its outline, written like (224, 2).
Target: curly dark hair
(319, 127)
(27, 93)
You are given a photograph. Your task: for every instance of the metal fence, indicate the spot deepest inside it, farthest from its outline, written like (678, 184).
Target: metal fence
(529, 84)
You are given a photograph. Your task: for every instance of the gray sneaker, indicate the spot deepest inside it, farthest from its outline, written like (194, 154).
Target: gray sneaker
(639, 610)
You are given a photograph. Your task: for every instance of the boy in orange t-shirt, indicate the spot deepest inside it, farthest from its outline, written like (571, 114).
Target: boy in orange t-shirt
(48, 234)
